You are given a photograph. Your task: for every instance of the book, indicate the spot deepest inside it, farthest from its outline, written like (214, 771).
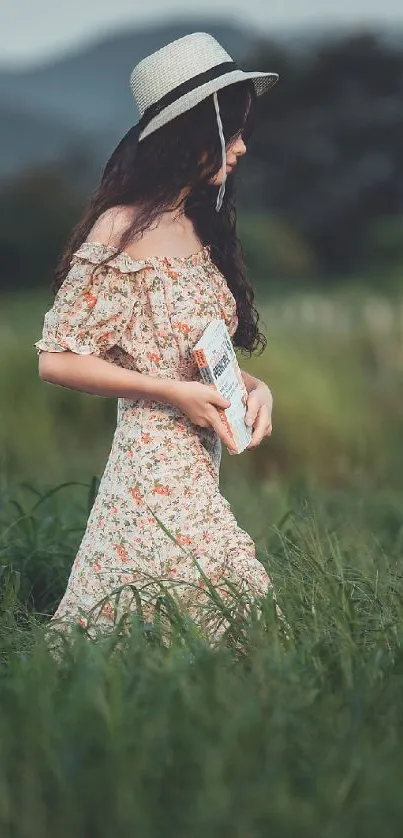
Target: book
(218, 366)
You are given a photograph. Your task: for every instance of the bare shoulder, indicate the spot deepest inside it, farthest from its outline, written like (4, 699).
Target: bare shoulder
(110, 225)
(162, 239)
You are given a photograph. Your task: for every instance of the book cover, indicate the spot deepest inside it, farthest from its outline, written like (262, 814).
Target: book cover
(218, 366)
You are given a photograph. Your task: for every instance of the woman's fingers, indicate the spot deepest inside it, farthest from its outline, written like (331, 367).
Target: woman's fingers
(218, 425)
(252, 409)
(216, 399)
(262, 427)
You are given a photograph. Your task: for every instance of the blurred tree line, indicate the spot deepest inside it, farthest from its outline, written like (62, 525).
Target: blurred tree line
(328, 155)
(321, 194)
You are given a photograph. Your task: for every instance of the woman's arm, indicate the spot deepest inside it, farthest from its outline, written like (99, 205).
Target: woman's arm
(92, 374)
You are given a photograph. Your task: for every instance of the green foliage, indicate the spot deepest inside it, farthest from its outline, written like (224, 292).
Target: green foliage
(285, 735)
(279, 729)
(327, 150)
(275, 252)
(385, 249)
(37, 212)
(333, 363)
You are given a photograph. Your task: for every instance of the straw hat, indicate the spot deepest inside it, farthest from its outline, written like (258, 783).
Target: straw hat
(177, 77)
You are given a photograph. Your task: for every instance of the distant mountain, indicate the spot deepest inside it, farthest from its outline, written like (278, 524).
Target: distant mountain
(28, 136)
(85, 97)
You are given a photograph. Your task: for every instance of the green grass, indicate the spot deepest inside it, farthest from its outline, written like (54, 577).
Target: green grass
(297, 736)
(266, 735)
(334, 365)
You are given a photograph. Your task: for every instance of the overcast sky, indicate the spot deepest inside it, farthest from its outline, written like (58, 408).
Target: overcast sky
(31, 30)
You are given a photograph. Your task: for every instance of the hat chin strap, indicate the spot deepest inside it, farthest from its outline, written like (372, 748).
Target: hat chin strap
(221, 191)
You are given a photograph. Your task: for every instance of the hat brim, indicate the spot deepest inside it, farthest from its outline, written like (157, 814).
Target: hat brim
(262, 81)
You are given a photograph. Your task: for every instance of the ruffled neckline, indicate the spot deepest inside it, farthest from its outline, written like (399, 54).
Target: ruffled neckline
(95, 252)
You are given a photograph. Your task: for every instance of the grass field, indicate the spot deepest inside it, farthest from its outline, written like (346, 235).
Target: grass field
(335, 365)
(270, 734)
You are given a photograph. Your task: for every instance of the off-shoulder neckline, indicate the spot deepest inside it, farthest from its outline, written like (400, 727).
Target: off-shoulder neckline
(192, 258)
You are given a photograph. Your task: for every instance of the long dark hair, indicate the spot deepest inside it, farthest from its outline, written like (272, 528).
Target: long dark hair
(186, 152)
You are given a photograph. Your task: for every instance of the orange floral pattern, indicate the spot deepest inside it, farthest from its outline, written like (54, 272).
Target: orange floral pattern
(158, 506)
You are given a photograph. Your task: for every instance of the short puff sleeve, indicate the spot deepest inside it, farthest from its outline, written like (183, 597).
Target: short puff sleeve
(93, 308)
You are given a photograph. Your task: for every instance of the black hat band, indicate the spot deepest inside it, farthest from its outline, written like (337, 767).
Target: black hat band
(153, 110)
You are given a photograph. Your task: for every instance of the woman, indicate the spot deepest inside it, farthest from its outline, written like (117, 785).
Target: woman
(154, 258)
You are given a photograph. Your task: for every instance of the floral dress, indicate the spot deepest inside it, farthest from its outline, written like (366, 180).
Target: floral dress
(159, 521)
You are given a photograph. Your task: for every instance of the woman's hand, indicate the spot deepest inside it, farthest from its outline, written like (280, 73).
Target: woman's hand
(199, 402)
(258, 413)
